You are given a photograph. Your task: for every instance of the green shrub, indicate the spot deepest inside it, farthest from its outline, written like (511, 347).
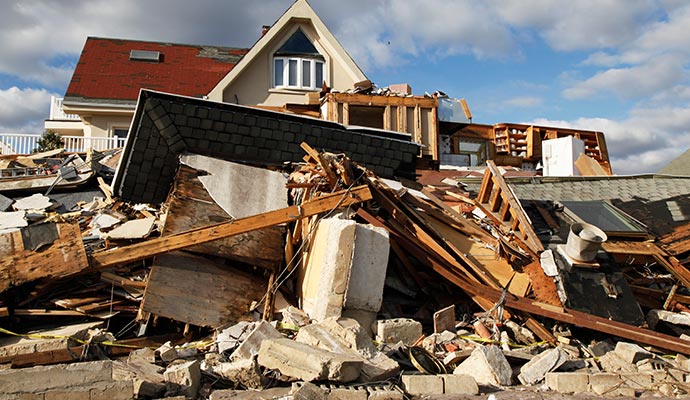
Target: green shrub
(50, 140)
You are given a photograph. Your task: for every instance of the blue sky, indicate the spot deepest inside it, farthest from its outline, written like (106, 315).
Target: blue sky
(619, 66)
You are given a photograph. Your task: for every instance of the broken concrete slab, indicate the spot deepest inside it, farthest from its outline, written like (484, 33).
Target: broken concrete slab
(250, 345)
(185, 376)
(241, 190)
(231, 337)
(134, 229)
(631, 352)
(16, 345)
(301, 361)
(243, 372)
(395, 330)
(346, 336)
(535, 369)
(487, 365)
(612, 362)
(68, 380)
(308, 391)
(147, 378)
(674, 318)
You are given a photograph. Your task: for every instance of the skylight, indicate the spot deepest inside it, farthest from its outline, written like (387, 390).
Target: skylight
(145, 55)
(602, 215)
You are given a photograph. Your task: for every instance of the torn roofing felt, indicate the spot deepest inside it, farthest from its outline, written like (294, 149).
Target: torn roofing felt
(166, 125)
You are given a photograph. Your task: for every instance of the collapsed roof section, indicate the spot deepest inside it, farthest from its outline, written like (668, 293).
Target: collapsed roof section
(166, 125)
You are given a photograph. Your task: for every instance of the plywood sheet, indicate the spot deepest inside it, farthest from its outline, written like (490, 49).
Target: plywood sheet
(197, 291)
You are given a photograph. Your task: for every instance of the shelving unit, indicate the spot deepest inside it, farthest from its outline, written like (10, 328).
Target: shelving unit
(524, 141)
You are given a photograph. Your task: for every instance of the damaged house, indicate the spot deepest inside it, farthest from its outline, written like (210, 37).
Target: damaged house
(279, 238)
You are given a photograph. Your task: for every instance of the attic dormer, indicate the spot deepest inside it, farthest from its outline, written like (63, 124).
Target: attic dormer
(297, 64)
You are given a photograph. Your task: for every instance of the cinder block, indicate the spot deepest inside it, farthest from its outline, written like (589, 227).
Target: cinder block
(639, 381)
(568, 382)
(382, 393)
(459, 384)
(604, 383)
(422, 384)
(348, 393)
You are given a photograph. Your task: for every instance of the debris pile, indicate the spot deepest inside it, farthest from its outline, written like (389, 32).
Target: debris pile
(320, 280)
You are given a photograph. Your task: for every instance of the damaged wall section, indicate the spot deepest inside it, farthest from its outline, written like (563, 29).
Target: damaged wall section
(166, 125)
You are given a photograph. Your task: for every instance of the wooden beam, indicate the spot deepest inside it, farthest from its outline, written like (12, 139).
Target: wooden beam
(150, 248)
(387, 115)
(382, 101)
(530, 237)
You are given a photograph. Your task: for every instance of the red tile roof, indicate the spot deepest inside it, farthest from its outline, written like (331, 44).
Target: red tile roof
(105, 72)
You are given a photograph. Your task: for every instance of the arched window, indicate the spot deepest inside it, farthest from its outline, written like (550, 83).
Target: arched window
(297, 64)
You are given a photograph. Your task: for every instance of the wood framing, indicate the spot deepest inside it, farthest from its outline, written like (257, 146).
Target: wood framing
(415, 115)
(497, 198)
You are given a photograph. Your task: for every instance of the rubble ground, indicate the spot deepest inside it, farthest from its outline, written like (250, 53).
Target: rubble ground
(326, 281)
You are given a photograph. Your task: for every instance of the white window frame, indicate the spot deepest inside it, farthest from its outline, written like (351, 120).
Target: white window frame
(313, 62)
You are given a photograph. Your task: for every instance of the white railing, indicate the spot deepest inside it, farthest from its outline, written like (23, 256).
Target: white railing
(17, 143)
(57, 113)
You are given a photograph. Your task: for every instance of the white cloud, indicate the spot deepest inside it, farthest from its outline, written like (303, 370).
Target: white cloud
(23, 111)
(582, 24)
(632, 82)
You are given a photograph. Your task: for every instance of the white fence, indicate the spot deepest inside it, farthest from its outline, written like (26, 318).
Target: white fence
(17, 143)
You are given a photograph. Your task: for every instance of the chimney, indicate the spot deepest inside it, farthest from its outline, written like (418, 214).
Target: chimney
(265, 29)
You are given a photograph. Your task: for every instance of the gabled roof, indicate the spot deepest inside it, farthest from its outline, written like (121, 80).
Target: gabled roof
(678, 166)
(300, 11)
(106, 75)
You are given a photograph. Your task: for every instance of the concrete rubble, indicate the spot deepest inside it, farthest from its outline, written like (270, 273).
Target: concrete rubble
(318, 279)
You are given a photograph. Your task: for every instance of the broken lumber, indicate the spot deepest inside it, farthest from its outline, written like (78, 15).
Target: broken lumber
(150, 248)
(19, 264)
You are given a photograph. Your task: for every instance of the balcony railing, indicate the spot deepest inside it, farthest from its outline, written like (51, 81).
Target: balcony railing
(17, 143)
(56, 112)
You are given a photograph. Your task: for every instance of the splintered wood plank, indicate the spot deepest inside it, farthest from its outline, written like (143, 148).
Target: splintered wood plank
(485, 189)
(197, 291)
(62, 258)
(484, 260)
(153, 247)
(190, 206)
(589, 166)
